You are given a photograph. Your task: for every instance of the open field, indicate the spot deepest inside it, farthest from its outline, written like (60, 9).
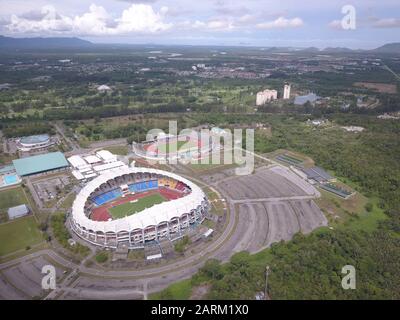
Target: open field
(19, 234)
(119, 150)
(177, 291)
(12, 197)
(129, 208)
(380, 87)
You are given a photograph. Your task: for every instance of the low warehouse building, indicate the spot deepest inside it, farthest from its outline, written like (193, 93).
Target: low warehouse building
(18, 212)
(40, 164)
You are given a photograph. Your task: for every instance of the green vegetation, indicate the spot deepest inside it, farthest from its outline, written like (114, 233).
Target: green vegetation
(61, 234)
(177, 291)
(68, 201)
(27, 129)
(129, 208)
(102, 257)
(181, 245)
(19, 234)
(308, 267)
(119, 150)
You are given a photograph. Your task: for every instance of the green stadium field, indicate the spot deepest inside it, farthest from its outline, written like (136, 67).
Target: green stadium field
(19, 234)
(129, 208)
(180, 146)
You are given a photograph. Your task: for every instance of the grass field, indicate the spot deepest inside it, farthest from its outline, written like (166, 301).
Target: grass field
(178, 291)
(119, 150)
(17, 235)
(128, 208)
(11, 198)
(181, 146)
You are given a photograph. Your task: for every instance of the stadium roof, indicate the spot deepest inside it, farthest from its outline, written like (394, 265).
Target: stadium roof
(40, 163)
(35, 139)
(311, 97)
(151, 216)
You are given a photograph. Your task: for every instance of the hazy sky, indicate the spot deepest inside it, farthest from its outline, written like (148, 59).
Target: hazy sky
(298, 23)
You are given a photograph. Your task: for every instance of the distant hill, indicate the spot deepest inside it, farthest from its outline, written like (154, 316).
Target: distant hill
(337, 49)
(42, 43)
(389, 48)
(310, 49)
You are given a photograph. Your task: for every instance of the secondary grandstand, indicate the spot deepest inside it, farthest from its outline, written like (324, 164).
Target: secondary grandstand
(174, 147)
(135, 206)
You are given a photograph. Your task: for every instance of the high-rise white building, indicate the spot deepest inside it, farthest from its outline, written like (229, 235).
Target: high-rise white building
(286, 91)
(266, 96)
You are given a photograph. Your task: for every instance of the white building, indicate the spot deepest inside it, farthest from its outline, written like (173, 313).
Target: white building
(286, 91)
(106, 156)
(103, 88)
(18, 212)
(266, 96)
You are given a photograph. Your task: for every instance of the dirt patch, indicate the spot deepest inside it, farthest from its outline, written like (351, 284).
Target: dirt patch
(380, 87)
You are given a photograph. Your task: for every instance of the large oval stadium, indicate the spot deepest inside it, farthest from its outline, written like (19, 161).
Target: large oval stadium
(135, 206)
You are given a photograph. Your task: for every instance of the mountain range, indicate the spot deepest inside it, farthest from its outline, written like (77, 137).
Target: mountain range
(61, 42)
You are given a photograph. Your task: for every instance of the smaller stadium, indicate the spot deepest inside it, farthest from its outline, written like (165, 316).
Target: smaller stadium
(136, 206)
(34, 142)
(174, 147)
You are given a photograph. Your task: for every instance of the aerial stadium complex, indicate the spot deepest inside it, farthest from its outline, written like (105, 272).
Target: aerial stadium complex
(136, 206)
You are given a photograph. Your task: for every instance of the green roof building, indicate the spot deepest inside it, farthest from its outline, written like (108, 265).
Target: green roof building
(40, 163)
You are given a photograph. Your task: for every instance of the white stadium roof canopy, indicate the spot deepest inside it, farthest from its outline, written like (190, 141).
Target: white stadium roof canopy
(149, 217)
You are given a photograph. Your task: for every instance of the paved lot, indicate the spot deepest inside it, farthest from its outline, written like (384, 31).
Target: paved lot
(266, 183)
(23, 280)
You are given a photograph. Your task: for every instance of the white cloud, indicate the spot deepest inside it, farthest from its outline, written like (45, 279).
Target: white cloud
(281, 23)
(141, 17)
(138, 18)
(50, 20)
(336, 24)
(210, 25)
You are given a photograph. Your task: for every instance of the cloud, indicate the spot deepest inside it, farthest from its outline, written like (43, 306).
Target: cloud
(232, 11)
(138, 18)
(336, 24)
(281, 23)
(211, 25)
(387, 23)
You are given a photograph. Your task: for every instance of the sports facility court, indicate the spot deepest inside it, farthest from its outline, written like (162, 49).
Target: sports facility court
(131, 204)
